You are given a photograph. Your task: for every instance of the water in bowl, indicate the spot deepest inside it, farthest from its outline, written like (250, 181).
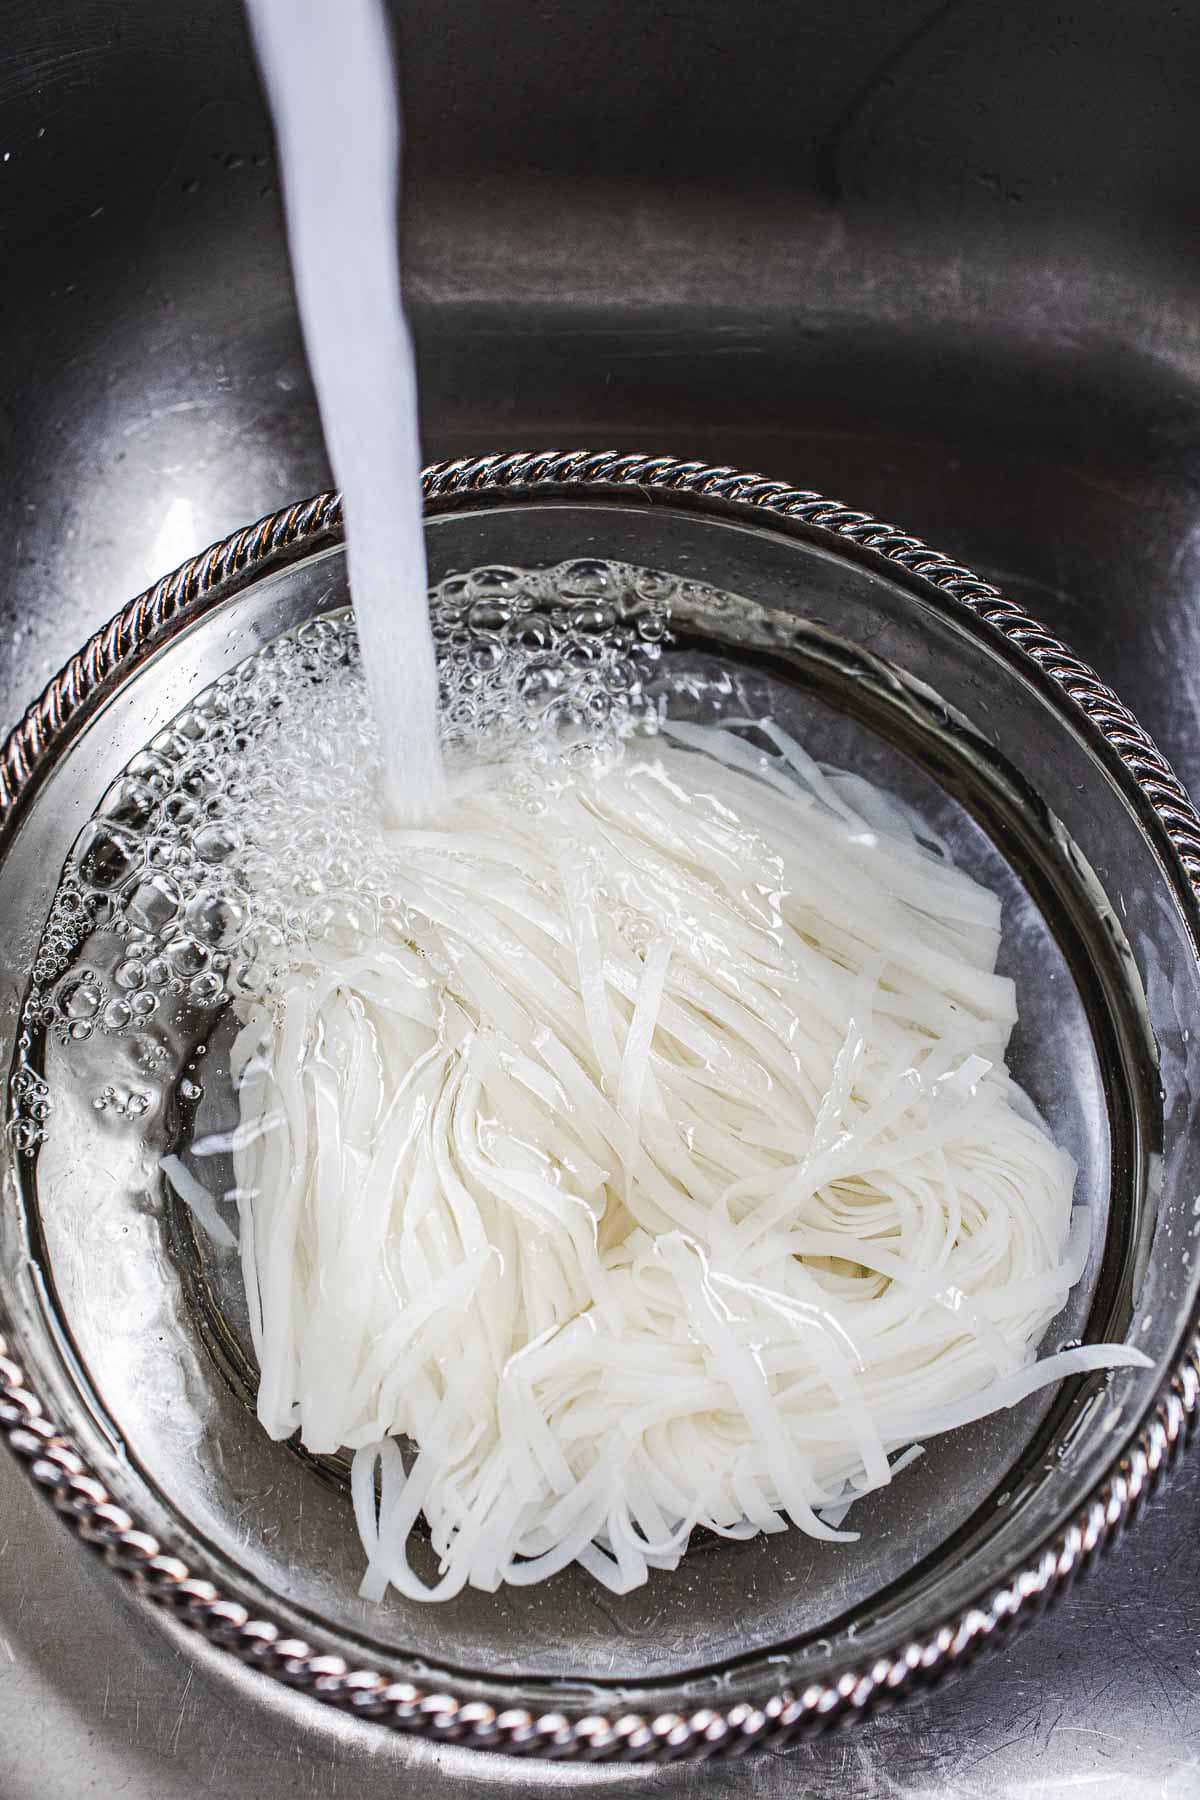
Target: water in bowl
(124, 1055)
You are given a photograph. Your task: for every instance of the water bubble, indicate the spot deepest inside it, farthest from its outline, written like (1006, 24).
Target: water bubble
(110, 857)
(180, 810)
(652, 584)
(131, 803)
(453, 590)
(189, 725)
(584, 578)
(199, 781)
(213, 704)
(216, 843)
(489, 616)
(155, 902)
(79, 997)
(155, 771)
(541, 684)
(25, 1134)
(170, 746)
(214, 919)
(593, 619)
(535, 634)
(492, 584)
(187, 958)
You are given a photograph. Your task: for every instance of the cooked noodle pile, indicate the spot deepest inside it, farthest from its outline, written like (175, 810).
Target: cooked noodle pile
(649, 1163)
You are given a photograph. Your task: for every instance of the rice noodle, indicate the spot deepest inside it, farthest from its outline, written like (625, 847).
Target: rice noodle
(649, 1163)
(196, 1196)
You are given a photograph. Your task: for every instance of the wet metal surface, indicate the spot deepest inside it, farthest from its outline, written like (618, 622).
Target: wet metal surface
(96, 1698)
(938, 260)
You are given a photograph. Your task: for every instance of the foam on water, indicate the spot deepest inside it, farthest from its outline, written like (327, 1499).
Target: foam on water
(254, 821)
(328, 75)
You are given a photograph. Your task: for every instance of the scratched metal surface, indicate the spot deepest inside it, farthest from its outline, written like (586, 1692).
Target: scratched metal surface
(97, 1698)
(937, 259)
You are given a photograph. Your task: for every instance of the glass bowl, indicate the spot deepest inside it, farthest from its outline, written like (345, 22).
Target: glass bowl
(124, 1379)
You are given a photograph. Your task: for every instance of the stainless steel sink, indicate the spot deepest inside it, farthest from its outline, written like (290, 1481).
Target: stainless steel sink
(938, 260)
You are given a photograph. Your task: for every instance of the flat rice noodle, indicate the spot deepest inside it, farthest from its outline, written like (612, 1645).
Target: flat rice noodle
(649, 1162)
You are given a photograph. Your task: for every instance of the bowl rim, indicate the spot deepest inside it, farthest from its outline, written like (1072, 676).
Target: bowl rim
(56, 1467)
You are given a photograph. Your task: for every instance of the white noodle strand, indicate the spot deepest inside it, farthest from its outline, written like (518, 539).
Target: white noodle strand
(648, 1163)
